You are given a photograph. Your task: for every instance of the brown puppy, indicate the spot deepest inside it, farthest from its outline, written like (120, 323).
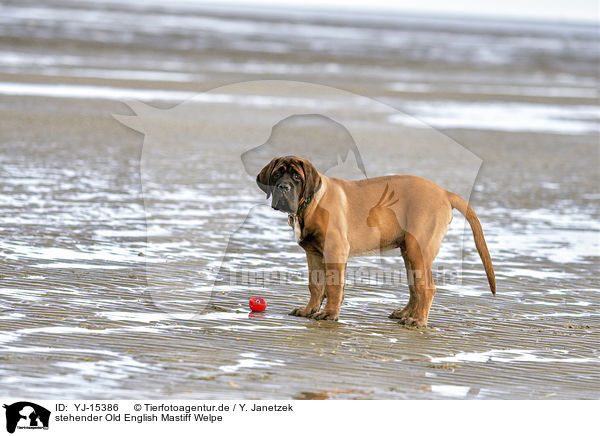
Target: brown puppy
(334, 219)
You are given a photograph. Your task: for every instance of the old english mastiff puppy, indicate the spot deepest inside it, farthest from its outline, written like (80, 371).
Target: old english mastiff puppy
(334, 219)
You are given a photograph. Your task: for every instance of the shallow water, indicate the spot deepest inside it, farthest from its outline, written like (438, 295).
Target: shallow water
(78, 319)
(106, 283)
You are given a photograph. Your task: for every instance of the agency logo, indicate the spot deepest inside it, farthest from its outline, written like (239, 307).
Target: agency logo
(26, 415)
(216, 207)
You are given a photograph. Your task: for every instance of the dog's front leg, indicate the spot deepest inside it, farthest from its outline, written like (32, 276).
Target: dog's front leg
(335, 257)
(336, 250)
(335, 275)
(316, 285)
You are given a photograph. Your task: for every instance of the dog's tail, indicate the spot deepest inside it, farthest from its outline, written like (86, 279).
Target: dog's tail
(463, 207)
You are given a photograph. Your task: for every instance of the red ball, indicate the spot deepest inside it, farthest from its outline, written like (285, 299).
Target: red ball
(257, 304)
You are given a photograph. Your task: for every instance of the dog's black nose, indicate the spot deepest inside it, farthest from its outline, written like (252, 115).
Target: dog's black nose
(285, 187)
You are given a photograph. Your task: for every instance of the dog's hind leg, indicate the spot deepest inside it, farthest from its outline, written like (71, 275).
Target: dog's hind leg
(401, 313)
(420, 283)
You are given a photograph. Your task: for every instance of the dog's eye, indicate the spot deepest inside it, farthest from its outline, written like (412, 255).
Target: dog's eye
(296, 176)
(276, 174)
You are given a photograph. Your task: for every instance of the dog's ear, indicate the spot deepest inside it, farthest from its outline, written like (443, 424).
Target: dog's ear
(263, 180)
(311, 179)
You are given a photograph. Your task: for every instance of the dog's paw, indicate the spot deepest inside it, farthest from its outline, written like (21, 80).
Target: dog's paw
(325, 315)
(398, 314)
(302, 311)
(409, 321)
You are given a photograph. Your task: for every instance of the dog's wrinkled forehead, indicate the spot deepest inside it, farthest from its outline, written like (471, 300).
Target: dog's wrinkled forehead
(289, 164)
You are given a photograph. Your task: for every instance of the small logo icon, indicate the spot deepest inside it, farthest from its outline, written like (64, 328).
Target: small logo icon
(26, 415)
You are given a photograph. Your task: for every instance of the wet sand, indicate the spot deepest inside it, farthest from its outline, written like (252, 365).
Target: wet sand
(81, 229)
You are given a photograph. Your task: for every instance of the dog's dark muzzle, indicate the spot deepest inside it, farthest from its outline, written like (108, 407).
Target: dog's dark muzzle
(284, 198)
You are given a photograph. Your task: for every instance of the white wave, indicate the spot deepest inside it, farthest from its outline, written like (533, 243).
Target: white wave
(567, 119)
(250, 361)
(515, 355)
